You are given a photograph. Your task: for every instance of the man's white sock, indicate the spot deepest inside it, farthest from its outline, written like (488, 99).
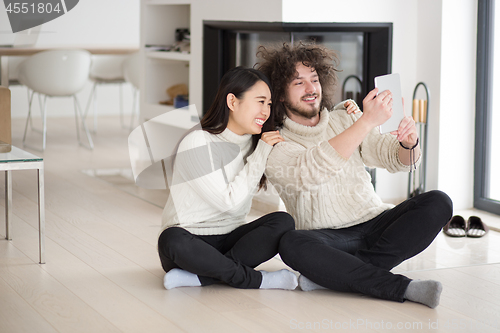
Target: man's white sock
(177, 277)
(307, 285)
(426, 292)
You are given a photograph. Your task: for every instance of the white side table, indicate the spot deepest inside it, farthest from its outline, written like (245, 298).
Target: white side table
(18, 159)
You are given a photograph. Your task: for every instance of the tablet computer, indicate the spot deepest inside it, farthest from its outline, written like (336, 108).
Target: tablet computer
(392, 83)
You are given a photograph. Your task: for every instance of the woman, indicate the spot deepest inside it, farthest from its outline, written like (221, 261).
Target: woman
(205, 238)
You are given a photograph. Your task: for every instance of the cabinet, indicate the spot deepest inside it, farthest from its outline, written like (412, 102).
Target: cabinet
(162, 69)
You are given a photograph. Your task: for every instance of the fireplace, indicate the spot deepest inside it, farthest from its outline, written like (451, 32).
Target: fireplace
(364, 50)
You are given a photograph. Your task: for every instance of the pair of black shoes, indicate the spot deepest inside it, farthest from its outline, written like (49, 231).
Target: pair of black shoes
(458, 227)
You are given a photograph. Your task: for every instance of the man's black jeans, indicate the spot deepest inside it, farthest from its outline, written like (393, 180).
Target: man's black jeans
(359, 258)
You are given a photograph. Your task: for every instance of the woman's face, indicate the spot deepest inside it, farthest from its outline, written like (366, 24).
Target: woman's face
(249, 112)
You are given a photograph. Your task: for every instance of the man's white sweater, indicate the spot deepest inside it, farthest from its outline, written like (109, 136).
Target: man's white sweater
(322, 189)
(212, 184)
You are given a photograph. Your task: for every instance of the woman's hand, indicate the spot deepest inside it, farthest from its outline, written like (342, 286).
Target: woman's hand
(351, 107)
(272, 137)
(407, 132)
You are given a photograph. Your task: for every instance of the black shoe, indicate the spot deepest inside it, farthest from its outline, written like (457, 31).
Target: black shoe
(476, 227)
(456, 227)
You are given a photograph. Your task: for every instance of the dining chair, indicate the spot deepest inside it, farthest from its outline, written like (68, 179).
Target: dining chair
(105, 69)
(14, 62)
(56, 73)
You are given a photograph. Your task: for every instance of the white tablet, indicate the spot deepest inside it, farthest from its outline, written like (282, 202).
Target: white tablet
(392, 83)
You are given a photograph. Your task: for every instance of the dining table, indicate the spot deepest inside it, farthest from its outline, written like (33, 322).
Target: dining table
(5, 52)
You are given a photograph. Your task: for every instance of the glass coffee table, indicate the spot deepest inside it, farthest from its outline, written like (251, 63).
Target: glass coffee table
(18, 159)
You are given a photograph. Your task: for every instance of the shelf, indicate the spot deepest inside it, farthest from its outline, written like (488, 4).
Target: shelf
(169, 55)
(163, 69)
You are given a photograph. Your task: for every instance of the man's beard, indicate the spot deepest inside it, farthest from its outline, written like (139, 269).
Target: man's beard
(308, 113)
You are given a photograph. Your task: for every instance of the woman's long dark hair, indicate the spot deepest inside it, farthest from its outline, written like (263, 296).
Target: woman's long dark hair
(236, 81)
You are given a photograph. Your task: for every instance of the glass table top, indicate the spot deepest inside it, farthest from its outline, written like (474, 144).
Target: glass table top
(18, 155)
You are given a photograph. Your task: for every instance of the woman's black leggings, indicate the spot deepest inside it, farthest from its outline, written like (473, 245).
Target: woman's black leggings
(230, 258)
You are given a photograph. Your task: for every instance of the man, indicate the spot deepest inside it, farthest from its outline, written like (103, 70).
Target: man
(347, 239)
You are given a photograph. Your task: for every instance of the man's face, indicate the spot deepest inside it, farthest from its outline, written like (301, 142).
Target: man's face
(303, 95)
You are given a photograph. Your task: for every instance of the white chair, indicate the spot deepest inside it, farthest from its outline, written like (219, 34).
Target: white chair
(104, 70)
(56, 73)
(131, 72)
(14, 62)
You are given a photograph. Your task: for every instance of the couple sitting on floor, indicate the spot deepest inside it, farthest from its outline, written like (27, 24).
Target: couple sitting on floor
(279, 123)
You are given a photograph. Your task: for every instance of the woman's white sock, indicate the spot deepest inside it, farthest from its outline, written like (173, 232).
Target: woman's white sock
(177, 277)
(283, 279)
(307, 285)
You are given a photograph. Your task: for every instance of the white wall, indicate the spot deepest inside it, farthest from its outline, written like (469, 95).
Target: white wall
(222, 10)
(457, 104)
(106, 23)
(428, 71)
(95, 22)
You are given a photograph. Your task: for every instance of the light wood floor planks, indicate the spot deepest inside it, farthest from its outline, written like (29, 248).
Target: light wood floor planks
(103, 274)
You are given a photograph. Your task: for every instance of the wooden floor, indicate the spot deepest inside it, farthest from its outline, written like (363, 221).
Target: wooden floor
(103, 274)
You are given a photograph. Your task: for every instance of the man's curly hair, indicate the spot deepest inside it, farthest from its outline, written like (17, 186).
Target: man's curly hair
(278, 63)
